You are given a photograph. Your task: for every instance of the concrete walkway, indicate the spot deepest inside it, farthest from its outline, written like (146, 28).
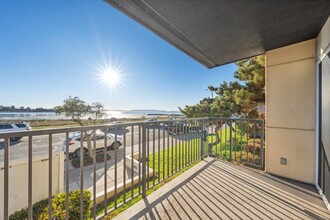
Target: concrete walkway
(214, 189)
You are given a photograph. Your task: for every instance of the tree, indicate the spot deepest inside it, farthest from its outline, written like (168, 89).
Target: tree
(252, 72)
(240, 97)
(97, 110)
(73, 107)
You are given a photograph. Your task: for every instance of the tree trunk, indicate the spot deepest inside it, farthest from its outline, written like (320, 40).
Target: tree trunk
(89, 144)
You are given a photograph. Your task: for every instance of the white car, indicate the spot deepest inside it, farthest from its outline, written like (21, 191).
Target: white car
(75, 139)
(14, 127)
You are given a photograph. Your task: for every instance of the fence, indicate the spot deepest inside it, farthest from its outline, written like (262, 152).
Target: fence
(121, 162)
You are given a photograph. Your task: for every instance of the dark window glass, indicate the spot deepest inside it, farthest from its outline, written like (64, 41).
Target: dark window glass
(6, 126)
(21, 125)
(325, 105)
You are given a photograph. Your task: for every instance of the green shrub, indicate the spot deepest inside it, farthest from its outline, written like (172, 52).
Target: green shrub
(18, 215)
(37, 209)
(40, 209)
(58, 206)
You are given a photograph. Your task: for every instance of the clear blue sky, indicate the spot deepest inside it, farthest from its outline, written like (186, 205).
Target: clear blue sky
(52, 49)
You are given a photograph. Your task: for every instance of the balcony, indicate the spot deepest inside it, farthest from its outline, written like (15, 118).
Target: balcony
(214, 189)
(192, 160)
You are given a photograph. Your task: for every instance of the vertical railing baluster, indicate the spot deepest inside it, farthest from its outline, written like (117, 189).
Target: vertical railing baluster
(124, 170)
(148, 155)
(172, 147)
(177, 129)
(50, 175)
(144, 191)
(254, 142)
(201, 140)
(184, 145)
(6, 179)
(226, 141)
(230, 140)
(116, 181)
(67, 157)
(82, 152)
(247, 140)
(158, 173)
(30, 213)
(153, 155)
(132, 162)
(213, 141)
(94, 175)
(140, 146)
(181, 144)
(220, 136)
(168, 148)
(164, 150)
(190, 142)
(235, 139)
(241, 133)
(196, 141)
(106, 171)
(262, 145)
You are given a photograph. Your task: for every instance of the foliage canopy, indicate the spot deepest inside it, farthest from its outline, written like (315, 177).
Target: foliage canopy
(241, 97)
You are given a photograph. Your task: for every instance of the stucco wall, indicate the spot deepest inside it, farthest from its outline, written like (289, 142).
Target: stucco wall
(18, 181)
(290, 111)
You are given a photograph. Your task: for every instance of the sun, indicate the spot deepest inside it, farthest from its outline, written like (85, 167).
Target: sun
(110, 76)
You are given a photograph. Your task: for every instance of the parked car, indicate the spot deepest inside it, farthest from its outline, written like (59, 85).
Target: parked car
(150, 121)
(14, 127)
(117, 128)
(75, 139)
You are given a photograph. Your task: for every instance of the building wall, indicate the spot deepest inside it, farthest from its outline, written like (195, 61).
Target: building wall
(290, 111)
(18, 181)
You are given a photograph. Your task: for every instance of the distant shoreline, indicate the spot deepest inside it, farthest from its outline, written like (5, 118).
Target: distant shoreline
(111, 115)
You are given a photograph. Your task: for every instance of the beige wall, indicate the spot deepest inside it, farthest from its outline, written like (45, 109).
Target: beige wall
(290, 111)
(18, 181)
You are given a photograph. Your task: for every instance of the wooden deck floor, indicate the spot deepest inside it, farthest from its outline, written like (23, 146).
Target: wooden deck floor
(214, 189)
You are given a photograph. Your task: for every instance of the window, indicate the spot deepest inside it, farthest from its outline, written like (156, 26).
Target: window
(21, 125)
(6, 126)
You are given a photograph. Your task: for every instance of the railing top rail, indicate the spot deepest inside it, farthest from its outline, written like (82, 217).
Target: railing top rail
(237, 119)
(106, 126)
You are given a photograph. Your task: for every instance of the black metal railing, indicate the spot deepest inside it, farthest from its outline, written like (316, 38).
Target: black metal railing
(116, 163)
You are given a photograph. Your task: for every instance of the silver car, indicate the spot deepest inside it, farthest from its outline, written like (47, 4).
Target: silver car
(14, 127)
(99, 136)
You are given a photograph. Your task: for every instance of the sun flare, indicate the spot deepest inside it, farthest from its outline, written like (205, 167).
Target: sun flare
(110, 76)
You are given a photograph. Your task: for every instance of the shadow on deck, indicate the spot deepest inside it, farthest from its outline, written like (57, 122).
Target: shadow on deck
(214, 189)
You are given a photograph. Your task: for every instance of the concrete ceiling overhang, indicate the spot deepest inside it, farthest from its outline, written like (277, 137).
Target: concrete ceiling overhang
(216, 32)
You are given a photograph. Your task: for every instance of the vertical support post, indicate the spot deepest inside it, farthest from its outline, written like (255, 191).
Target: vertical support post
(262, 162)
(230, 139)
(144, 162)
